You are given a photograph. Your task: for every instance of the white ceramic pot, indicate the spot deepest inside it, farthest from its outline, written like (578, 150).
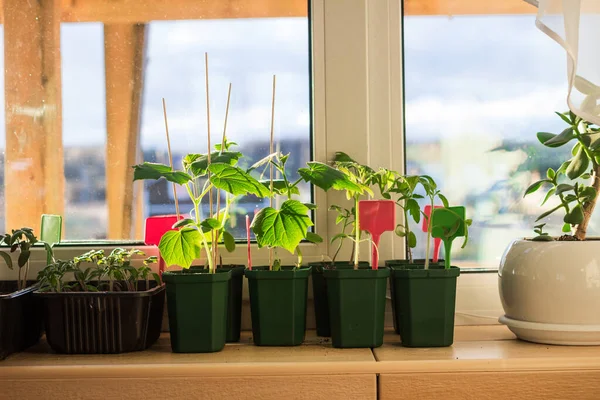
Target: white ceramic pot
(550, 291)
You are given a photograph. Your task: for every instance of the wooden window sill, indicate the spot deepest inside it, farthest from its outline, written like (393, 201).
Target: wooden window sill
(484, 359)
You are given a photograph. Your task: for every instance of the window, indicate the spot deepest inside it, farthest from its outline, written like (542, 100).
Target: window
(115, 68)
(477, 89)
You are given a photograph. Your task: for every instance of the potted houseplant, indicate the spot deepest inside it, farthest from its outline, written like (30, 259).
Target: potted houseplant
(424, 295)
(550, 285)
(108, 307)
(355, 293)
(20, 313)
(404, 191)
(278, 292)
(198, 299)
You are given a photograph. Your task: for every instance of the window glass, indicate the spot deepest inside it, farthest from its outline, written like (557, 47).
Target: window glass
(477, 89)
(246, 46)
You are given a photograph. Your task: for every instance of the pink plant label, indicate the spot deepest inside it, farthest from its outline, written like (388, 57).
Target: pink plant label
(156, 226)
(376, 217)
(437, 242)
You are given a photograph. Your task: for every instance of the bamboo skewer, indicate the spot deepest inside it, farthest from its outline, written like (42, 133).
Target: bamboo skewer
(210, 192)
(170, 156)
(222, 146)
(271, 152)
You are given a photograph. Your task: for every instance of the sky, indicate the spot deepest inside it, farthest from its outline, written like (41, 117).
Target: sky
(495, 75)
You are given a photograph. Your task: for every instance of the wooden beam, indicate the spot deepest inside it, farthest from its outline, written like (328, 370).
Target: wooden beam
(135, 11)
(467, 7)
(34, 165)
(124, 52)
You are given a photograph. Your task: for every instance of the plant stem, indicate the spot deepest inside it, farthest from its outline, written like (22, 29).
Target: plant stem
(356, 232)
(408, 249)
(588, 207)
(299, 257)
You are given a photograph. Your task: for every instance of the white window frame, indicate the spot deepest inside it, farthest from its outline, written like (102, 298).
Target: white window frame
(357, 106)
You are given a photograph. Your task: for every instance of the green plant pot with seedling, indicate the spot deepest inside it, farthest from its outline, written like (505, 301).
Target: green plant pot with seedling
(356, 295)
(426, 297)
(100, 304)
(278, 293)
(21, 314)
(198, 300)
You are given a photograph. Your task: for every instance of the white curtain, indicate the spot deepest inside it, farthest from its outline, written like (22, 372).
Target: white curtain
(575, 25)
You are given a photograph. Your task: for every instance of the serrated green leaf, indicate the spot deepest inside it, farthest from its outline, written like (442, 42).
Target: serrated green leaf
(156, 171)
(209, 224)
(279, 185)
(7, 259)
(313, 237)
(180, 247)
(229, 241)
(285, 227)
(199, 166)
(579, 164)
(414, 210)
(326, 177)
(574, 216)
(235, 181)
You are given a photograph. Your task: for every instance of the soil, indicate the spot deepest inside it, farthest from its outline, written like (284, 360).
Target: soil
(568, 238)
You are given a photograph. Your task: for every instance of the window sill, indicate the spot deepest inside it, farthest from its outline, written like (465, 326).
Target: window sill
(483, 359)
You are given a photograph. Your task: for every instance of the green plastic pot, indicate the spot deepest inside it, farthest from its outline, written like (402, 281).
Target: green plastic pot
(418, 263)
(357, 306)
(425, 305)
(197, 304)
(319, 285)
(278, 305)
(234, 303)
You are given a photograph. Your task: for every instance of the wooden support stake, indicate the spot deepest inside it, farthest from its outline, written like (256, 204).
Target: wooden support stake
(164, 104)
(34, 165)
(271, 165)
(124, 51)
(223, 138)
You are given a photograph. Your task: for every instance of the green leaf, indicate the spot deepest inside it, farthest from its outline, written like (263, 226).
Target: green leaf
(326, 177)
(183, 222)
(550, 173)
(552, 140)
(180, 247)
(284, 228)
(229, 241)
(23, 258)
(563, 187)
(579, 164)
(575, 216)
(414, 210)
(399, 231)
(49, 253)
(313, 237)
(534, 187)
(310, 206)
(545, 214)
(588, 192)
(156, 171)
(209, 224)
(342, 157)
(444, 200)
(563, 117)
(200, 165)
(235, 181)
(7, 259)
(566, 228)
(548, 195)
(279, 185)
(339, 236)
(411, 239)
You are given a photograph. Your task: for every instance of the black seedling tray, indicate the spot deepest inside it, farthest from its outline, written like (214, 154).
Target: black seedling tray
(103, 322)
(20, 318)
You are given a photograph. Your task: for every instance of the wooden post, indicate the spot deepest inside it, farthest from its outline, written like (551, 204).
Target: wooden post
(34, 165)
(124, 51)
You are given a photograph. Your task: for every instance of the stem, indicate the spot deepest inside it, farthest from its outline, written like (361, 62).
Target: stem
(25, 276)
(299, 257)
(408, 249)
(211, 266)
(588, 207)
(429, 226)
(356, 232)
(19, 280)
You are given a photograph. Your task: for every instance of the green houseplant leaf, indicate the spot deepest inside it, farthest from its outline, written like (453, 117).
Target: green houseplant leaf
(579, 164)
(326, 177)
(156, 171)
(200, 164)
(180, 247)
(236, 181)
(285, 227)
